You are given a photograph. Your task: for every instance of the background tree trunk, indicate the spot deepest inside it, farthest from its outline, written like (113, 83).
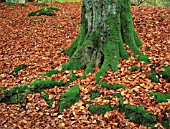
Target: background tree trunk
(105, 26)
(2, 1)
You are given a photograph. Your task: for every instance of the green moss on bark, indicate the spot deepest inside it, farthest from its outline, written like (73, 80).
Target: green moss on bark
(127, 28)
(89, 69)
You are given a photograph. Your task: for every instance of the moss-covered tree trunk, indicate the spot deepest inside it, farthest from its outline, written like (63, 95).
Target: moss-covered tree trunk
(105, 26)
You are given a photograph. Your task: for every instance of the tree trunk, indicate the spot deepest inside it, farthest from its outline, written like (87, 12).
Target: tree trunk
(1, 1)
(105, 26)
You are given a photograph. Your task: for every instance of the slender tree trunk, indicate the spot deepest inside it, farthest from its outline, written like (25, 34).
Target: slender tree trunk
(105, 26)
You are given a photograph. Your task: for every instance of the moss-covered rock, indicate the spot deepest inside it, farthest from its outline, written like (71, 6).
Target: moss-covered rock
(69, 98)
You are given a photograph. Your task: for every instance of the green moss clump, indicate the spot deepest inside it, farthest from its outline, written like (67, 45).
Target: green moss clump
(88, 102)
(16, 98)
(144, 58)
(139, 115)
(49, 101)
(148, 49)
(57, 26)
(94, 94)
(73, 77)
(41, 4)
(10, 4)
(166, 121)
(166, 73)
(38, 85)
(100, 109)
(153, 77)
(49, 11)
(69, 98)
(137, 39)
(89, 69)
(118, 95)
(112, 87)
(2, 88)
(18, 94)
(2, 72)
(14, 95)
(50, 73)
(134, 68)
(100, 74)
(160, 97)
(18, 68)
(19, 89)
(32, 14)
(108, 98)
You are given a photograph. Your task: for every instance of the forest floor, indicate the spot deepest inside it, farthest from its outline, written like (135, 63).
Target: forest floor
(37, 41)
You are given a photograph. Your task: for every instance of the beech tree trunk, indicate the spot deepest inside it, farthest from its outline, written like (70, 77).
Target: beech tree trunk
(105, 26)
(1, 1)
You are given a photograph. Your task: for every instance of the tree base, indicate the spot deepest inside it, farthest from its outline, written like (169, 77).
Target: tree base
(103, 45)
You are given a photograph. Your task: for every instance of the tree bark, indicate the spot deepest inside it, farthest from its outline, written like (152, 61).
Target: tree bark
(1, 1)
(105, 26)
